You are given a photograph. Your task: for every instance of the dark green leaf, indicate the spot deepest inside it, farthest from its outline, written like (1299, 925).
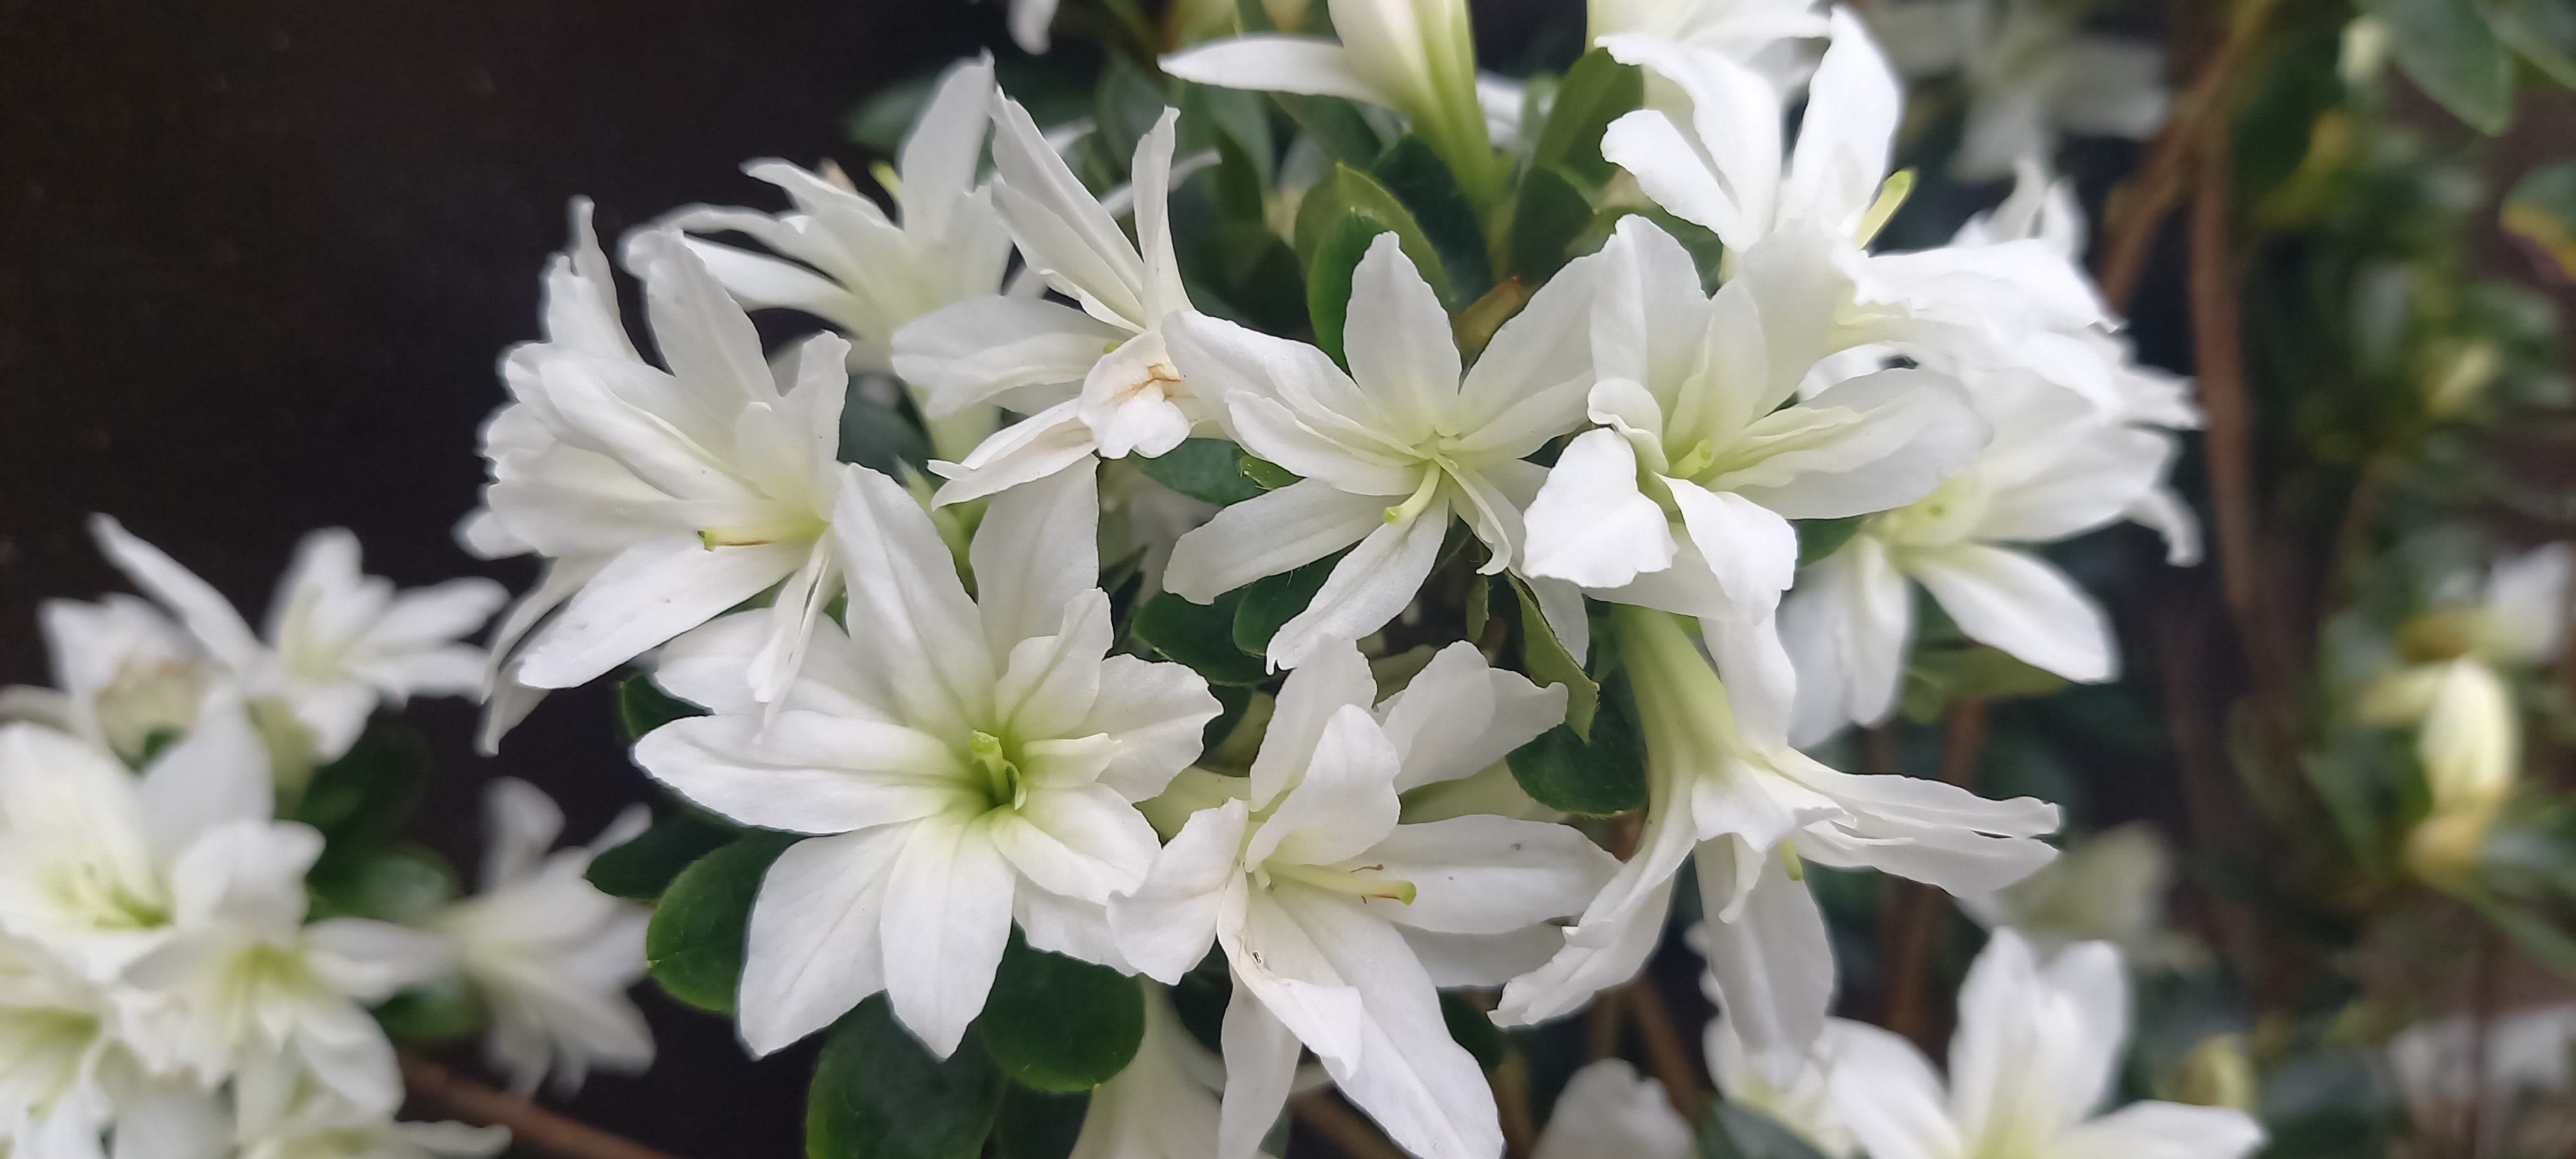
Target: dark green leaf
(2450, 51)
(1233, 700)
(401, 883)
(694, 945)
(1209, 470)
(1126, 109)
(1473, 1029)
(879, 437)
(446, 1010)
(362, 799)
(1602, 777)
(2543, 31)
(2541, 213)
(1273, 600)
(1038, 1124)
(1546, 660)
(1057, 1024)
(1235, 123)
(642, 868)
(1328, 278)
(1368, 197)
(1550, 214)
(1201, 636)
(881, 121)
(1735, 1131)
(878, 1093)
(1337, 125)
(1480, 605)
(1271, 476)
(642, 706)
(1595, 92)
(1248, 275)
(1818, 538)
(1419, 179)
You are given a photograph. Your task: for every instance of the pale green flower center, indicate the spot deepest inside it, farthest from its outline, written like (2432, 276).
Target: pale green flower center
(1939, 519)
(98, 894)
(1004, 786)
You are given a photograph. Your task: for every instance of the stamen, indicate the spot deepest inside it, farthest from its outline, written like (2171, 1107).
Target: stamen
(1002, 775)
(1891, 196)
(885, 176)
(1421, 497)
(1790, 860)
(1698, 460)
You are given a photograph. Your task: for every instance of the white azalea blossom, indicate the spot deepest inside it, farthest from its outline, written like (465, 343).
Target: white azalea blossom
(551, 954)
(1752, 814)
(1389, 452)
(658, 498)
(1338, 922)
(319, 1126)
(1681, 500)
(337, 643)
(2110, 887)
(1607, 1108)
(2037, 1053)
(1109, 356)
(1804, 1104)
(1164, 1104)
(126, 675)
(2031, 73)
(1756, 33)
(962, 763)
(842, 259)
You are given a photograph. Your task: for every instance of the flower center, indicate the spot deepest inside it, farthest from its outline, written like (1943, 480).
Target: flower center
(1945, 516)
(1001, 774)
(1421, 496)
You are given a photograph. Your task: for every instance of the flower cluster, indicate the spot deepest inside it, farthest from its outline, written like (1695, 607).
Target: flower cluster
(194, 916)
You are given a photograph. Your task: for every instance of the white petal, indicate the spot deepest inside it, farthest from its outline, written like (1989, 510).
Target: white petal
(651, 592)
(209, 617)
(1591, 525)
(1166, 924)
(1843, 143)
(1906, 431)
(2159, 1130)
(1607, 1109)
(1344, 804)
(1311, 65)
(1084, 842)
(1544, 348)
(218, 773)
(1491, 875)
(1268, 534)
(815, 949)
(1061, 229)
(1044, 444)
(948, 910)
(1398, 341)
(1157, 713)
(908, 606)
(1884, 1089)
(1460, 715)
(2022, 605)
(1335, 678)
(1369, 587)
(968, 353)
(941, 152)
(1037, 548)
(1773, 964)
(805, 772)
(1260, 1068)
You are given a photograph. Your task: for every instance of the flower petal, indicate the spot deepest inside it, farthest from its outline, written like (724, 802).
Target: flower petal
(816, 946)
(1268, 534)
(805, 772)
(948, 906)
(1590, 524)
(2022, 605)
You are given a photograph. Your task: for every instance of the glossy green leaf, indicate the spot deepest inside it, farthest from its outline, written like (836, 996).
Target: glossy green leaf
(2543, 31)
(1595, 92)
(642, 706)
(1057, 1024)
(1549, 216)
(1546, 660)
(1246, 274)
(1038, 1124)
(1273, 600)
(1736, 1131)
(1200, 636)
(2540, 212)
(1337, 125)
(877, 1093)
(2449, 50)
(1818, 538)
(402, 883)
(1473, 1029)
(1328, 278)
(1209, 470)
(1600, 777)
(1271, 476)
(361, 800)
(446, 1010)
(694, 945)
(644, 866)
(1128, 104)
(879, 437)
(1423, 184)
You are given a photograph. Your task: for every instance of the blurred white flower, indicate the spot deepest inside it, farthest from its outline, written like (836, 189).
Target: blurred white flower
(1760, 34)
(963, 762)
(2031, 74)
(1607, 1108)
(2527, 1051)
(2109, 887)
(1338, 922)
(126, 676)
(318, 1126)
(1804, 1104)
(2037, 1053)
(658, 498)
(1125, 396)
(551, 954)
(1388, 451)
(338, 642)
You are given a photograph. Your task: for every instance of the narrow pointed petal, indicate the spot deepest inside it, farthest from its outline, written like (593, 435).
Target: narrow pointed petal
(2022, 605)
(815, 947)
(948, 908)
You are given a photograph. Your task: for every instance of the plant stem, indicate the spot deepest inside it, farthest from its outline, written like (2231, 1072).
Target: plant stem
(1665, 1054)
(2129, 229)
(530, 1125)
(1358, 1138)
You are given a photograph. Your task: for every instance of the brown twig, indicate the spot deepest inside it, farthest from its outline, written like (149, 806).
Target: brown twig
(1665, 1054)
(1358, 1138)
(2129, 230)
(1915, 919)
(530, 1125)
(1511, 1083)
(1601, 1027)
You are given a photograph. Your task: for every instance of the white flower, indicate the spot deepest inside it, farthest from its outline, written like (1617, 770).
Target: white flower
(318, 1126)
(1338, 922)
(1682, 499)
(56, 1037)
(1031, 23)
(1606, 1109)
(1804, 1104)
(126, 676)
(2527, 1050)
(1417, 57)
(843, 260)
(1750, 32)
(658, 498)
(551, 954)
(2030, 75)
(245, 988)
(2108, 888)
(2037, 1052)
(962, 762)
(2056, 469)
(338, 642)
(1108, 355)
(1755, 814)
(1164, 1104)
(1388, 451)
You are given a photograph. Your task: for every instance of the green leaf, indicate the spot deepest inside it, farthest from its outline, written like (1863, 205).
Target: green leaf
(1271, 476)
(1550, 214)
(1818, 538)
(642, 706)
(1736, 1131)
(877, 1093)
(1337, 125)
(1602, 777)
(1473, 1029)
(2545, 941)
(1422, 182)
(1480, 605)
(1595, 92)
(881, 121)
(1273, 600)
(1250, 275)
(695, 942)
(1128, 104)
(402, 883)
(642, 868)
(1038, 1124)
(879, 437)
(1547, 661)
(1328, 278)
(1057, 1024)
(1200, 636)
(446, 1010)
(2450, 51)
(1209, 470)
(1939, 677)
(2543, 31)
(2540, 212)
(1366, 196)
(361, 800)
